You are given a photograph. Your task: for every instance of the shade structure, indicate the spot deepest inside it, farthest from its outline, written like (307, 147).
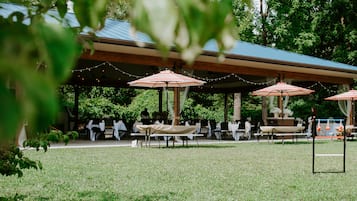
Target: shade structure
(282, 89)
(167, 79)
(350, 95)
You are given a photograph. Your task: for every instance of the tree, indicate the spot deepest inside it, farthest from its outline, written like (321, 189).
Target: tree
(32, 67)
(325, 29)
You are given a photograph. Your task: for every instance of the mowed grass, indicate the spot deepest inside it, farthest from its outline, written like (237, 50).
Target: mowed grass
(237, 171)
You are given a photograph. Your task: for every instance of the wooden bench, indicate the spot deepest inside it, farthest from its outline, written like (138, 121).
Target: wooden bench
(282, 135)
(184, 135)
(292, 135)
(261, 134)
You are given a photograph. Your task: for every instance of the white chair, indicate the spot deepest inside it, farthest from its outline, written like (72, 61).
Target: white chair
(235, 133)
(221, 129)
(89, 126)
(209, 127)
(247, 129)
(190, 136)
(119, 129)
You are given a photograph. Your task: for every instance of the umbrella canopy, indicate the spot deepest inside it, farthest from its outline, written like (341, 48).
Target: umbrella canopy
(349, 95)
(282, 89)
(166, 78)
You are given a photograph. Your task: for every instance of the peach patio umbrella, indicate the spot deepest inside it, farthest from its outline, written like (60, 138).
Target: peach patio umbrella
(350, 95)
(282, 89)
(167, 78)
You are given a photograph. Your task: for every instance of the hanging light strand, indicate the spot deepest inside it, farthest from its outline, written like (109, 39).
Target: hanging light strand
(229, 76)
(107, 64)
(89, 68)
(116, 68)
(323, 86)
(123, 72)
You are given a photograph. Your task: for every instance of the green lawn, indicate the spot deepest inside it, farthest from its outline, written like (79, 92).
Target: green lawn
(243, 171)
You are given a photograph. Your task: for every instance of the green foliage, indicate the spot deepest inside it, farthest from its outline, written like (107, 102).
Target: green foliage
(32, 61)
(184, 24)
(324, 29)
(188, 111)
(99, 107)
(146, 99)
(35, 58)
(119, 96)
(251, 107)
(244, 19)
(13, 161)
(90, 13)
(118, 9)
(34, 66)
(42, 140)
(106, 102)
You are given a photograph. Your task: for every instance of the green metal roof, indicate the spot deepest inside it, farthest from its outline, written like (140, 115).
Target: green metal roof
(120, 30)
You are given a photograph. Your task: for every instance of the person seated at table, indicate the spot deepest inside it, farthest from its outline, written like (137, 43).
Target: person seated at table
(145, 117)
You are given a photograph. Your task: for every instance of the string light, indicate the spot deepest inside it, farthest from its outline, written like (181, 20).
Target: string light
(217, 79)
(103, 70)
(123, 72)
(323, 86)
(229, 76)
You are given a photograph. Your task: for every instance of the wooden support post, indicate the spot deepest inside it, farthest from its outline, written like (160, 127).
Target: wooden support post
(237, 106)
(176, 106)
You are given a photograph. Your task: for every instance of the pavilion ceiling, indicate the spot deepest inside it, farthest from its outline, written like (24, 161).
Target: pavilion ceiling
(115, 64)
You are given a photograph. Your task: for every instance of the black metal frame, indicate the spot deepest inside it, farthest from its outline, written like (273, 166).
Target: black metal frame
(313, 148)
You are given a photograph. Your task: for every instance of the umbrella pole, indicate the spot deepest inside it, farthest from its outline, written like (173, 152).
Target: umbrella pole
(167, 97)
(167, 101)
(352, 113)
(281, 105)
(176, 105)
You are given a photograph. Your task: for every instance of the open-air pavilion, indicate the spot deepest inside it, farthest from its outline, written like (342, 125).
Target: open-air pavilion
(118, 59)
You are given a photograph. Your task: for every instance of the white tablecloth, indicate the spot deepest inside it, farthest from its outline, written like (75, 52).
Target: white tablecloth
(281, 129)
(166, 129)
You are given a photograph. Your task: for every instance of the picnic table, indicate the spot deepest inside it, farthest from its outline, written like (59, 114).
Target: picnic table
(156, 130)
(281, 131)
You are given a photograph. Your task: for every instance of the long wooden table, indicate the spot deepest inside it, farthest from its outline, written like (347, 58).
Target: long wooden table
(281, 131)
(166, 131)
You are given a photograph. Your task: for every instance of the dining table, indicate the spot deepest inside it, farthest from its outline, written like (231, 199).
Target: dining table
(166, 131)
(282, 131)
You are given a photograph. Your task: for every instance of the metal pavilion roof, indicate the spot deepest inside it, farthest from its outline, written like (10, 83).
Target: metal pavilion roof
(119, 31)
